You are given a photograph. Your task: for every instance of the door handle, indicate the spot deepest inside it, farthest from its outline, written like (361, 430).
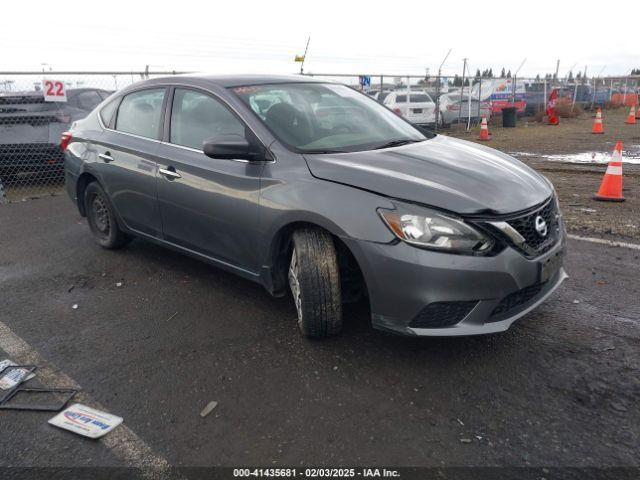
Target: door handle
(106, 156)
(169, 173)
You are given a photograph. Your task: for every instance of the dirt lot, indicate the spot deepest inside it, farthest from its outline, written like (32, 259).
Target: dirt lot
(576, 183)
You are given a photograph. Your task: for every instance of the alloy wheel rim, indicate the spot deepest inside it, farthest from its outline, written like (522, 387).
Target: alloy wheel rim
(294, 284)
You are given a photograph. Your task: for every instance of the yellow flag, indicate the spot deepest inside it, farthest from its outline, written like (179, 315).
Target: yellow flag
(299, 58)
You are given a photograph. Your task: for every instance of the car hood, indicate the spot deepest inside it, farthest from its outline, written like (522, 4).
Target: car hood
(443, 172)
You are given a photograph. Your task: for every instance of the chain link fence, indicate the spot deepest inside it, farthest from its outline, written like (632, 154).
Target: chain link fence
(31, 125)
(460, 100)
(31, 161)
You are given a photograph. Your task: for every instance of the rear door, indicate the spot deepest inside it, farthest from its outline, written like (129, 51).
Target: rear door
(208, 205)
(127, 162)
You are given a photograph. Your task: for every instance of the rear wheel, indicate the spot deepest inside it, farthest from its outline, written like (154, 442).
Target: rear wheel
(101, 218)
(314, 279)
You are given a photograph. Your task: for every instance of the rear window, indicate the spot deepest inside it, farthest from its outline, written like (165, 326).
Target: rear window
(414, 98)
(420, 98)
(139, 113)
(106, 113)
(89, 100)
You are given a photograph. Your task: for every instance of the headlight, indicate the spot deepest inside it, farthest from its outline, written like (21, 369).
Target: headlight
(431, 229)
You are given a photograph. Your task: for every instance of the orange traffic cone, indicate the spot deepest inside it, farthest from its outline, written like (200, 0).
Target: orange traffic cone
(632, 115)
(484, 130)
(597, 124)
(611, 187)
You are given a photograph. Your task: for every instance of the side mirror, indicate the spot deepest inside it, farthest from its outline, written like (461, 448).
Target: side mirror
(229, 147)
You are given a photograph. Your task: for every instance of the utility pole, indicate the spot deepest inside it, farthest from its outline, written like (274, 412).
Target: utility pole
(438, 80)
(464, 67)
(515, 81)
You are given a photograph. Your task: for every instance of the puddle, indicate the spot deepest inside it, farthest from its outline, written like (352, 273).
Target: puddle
(629, 155)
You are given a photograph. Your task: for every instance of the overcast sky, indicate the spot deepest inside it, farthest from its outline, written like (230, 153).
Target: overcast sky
(404, 37)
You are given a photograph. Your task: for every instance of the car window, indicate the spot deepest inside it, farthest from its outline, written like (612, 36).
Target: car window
(88, 100)
(140, 112)
(196, 117)
(106, 112)
(401, 99)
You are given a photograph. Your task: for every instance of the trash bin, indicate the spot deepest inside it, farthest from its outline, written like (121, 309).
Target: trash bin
(509, 117)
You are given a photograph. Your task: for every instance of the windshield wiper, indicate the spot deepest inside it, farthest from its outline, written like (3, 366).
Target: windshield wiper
(396, 143)
(324, 151)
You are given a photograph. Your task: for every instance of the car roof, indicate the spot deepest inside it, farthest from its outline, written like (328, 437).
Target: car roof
(238, 80)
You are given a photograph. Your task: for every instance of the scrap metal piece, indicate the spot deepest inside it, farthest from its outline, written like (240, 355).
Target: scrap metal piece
(7, 405)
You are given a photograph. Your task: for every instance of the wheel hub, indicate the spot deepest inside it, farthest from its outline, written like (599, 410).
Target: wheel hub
(101, 215)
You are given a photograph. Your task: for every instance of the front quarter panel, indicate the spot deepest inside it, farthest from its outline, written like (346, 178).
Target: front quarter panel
(291, 194)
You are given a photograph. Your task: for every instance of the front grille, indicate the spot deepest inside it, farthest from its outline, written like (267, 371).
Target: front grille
(535, 244)
(21, 100)
(442, 314)
(516, 299)
(33, 120)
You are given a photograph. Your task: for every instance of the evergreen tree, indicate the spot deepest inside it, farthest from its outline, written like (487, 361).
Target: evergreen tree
(509, 74)
(491, 73)
(503, 74)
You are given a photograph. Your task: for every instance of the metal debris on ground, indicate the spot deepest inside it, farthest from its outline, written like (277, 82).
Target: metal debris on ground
(208, 409)
(12, 376)
(86, 421)
(59, 399)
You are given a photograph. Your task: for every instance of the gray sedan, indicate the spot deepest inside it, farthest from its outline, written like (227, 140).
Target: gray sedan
(453, 108)
(317, 191)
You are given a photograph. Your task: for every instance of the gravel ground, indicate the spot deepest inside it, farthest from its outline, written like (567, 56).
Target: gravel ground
(559, 389)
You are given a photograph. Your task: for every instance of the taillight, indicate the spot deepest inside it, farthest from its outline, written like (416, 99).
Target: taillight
(453, 106)
(398, 111)
(65, 140)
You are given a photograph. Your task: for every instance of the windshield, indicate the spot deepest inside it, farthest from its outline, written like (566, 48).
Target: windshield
(318, 118)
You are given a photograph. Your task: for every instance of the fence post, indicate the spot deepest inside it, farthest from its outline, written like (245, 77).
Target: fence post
(438, 80)
(479, 97)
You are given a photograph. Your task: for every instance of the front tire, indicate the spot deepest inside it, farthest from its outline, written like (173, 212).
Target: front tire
(314, 279)
(102, 221)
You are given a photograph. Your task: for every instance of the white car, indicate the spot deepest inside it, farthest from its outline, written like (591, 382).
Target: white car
(416, 107)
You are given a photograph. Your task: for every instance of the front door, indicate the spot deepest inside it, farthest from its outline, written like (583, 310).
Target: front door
(207, 205)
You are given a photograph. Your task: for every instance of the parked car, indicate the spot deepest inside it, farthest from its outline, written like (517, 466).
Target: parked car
(380, 96)
(416, 107)
(30, 130)
(442, 236)
(453, 108)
